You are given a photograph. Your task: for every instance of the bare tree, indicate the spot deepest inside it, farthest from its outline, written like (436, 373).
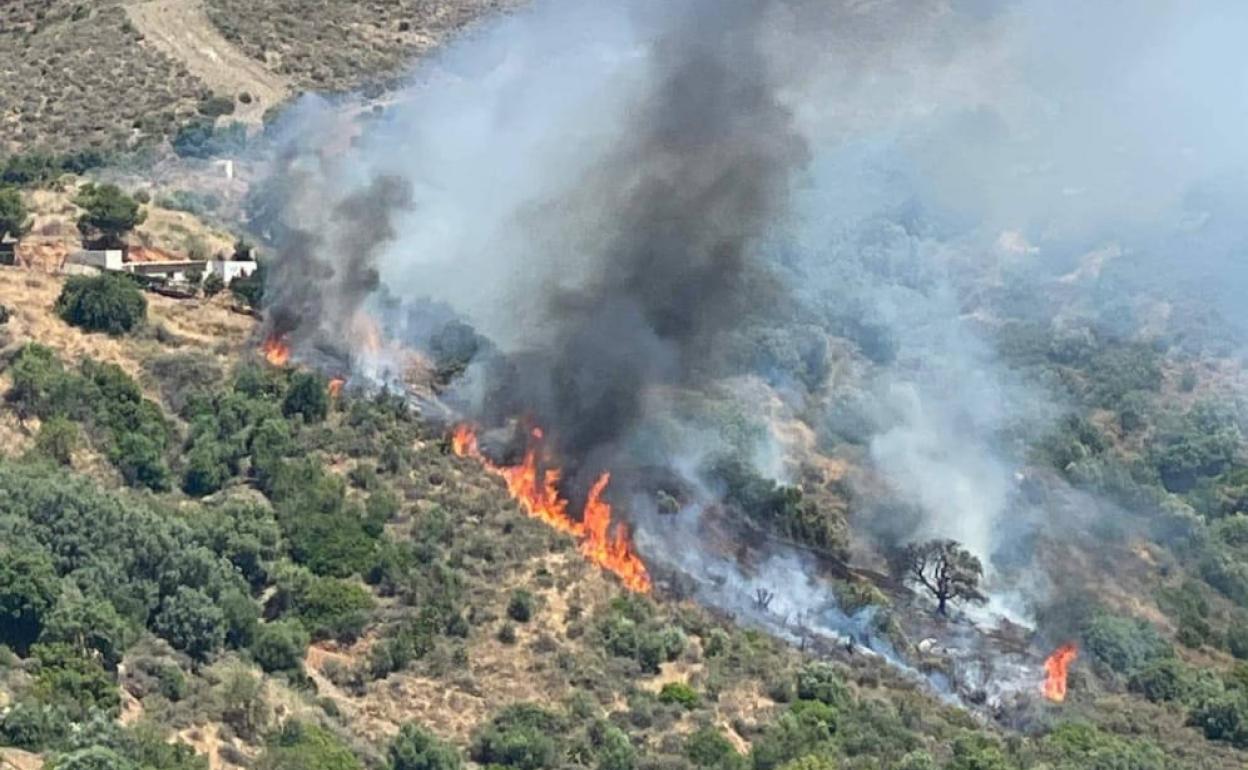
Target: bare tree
(762, 598)
(943, 568)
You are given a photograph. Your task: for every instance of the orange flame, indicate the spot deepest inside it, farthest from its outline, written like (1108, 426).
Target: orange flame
(335, 387)
(1055, 669)
(536, 488)
(276, 350)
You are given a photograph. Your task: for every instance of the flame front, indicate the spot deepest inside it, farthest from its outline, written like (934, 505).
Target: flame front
(276, 350)
(1056, 667)
(335, 387)
(536, 488)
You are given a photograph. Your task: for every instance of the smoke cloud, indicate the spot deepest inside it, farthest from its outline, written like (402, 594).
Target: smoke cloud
(619, 195)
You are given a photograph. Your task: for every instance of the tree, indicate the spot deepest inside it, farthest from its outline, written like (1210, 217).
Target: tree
(14, 219)
(192, 622)
(104, 303)
(943, 568)
(109, 213)
(28, 590)
(415, 748)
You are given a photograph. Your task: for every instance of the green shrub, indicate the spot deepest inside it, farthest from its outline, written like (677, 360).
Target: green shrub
(679, 693)
(300, 746)
(192, 622)
(522, 736)
(93, 758)
(308, 396)
(34, 726)
(822, 682)
(108, 303)
(28, 591)
(522, 606)
(280, 645)
(1166, 679)
(329, 607)
(1124, 644)
(415, 748)
(57, 439)
(68, 678)
(706, 747)
(1223, 717)
(14, 218)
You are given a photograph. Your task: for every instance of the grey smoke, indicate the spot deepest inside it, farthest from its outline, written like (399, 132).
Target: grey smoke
(614, 193)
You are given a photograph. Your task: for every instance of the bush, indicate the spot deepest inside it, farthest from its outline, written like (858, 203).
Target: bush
(1162, 680)
(280, 646)
(28, 590)
(300, 746)
(521, 736)
(93, 758)
(679, 693)
(415, 748)
(57, 439)
(192, 622)
(14, 219)
(822, 682)
(521, 606)
(73, 681)
(331, 608)
(1223, 717)
(706, 747)
(214, 284)
(1124, 644)
(308, 396)
(104, 303)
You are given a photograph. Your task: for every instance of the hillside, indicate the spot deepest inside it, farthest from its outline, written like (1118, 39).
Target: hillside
(699, 386)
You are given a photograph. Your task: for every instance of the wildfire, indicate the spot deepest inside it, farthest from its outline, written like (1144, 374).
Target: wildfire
(1055, 669)
(276, 350)
(335, 387)
(536, 488)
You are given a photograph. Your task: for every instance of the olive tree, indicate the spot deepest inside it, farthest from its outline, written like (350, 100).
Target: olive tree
(942, 568)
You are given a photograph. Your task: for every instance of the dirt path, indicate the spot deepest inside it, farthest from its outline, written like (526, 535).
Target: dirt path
(180, 29)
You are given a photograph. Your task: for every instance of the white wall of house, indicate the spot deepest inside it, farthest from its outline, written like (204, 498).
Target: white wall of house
(231, 269)
(104, 259)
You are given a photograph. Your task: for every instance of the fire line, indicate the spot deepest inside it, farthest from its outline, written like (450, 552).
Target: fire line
(1056, 666)
(536, 489)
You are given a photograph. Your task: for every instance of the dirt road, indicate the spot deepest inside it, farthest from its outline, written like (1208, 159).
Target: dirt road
(181, 30)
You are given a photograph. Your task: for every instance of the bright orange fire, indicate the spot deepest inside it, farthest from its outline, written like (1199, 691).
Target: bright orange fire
(335, 387)
(536, 488)
(1055, 669)
(276, 350)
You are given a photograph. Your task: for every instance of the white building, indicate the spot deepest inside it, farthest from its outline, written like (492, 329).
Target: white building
(230, 269)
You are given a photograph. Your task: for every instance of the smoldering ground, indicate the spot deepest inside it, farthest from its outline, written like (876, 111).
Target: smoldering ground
(619, 195)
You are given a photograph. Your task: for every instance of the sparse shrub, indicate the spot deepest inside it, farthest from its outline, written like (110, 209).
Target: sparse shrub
(105, 303)
(507, 634)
